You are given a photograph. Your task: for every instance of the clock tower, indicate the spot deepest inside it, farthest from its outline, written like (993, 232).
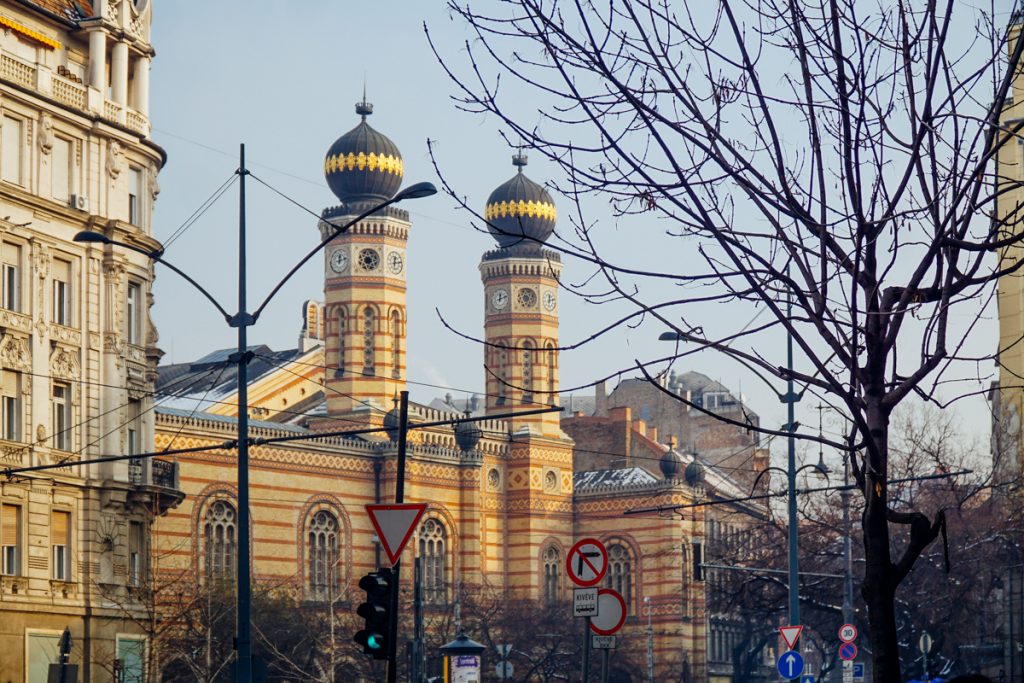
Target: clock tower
(521, 303)
(364, 273)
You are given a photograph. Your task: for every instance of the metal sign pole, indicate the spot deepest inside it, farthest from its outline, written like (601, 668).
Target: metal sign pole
(604, 665)
(403, 430)
(586, 650)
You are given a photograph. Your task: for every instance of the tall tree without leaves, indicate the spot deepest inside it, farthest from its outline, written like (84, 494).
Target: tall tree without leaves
(824, 164)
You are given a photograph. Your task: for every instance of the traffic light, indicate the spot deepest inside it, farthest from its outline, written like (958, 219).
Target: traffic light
(376, 611)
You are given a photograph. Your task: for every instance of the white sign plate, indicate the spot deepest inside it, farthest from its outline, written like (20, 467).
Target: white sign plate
(847, 672)
(611, 612)
(503, 649)
(584, 602)
(504, 670)
(602, 642)
(847, 633)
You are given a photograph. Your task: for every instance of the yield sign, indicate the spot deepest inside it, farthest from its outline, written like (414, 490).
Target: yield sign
(790, 634)
(394, 525)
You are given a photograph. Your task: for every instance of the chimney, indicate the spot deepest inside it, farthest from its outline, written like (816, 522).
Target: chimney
(600, 399)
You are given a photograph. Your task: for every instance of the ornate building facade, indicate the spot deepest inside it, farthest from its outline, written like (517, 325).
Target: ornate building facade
(504, 506)
(77, 350)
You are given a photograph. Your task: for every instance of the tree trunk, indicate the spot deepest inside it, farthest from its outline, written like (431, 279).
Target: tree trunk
(879, 587)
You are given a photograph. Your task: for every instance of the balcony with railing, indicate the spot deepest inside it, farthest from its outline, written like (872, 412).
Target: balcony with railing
(157, 477)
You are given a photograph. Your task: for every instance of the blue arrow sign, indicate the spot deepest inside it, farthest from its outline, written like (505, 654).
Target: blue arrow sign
(807, 678)
(790, 665)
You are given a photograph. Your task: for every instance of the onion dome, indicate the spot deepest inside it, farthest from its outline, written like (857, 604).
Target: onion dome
(694, 474)
(363, 164)
(520, 210)
(671, 463)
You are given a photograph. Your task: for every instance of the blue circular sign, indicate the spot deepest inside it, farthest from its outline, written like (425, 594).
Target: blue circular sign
(847, 652)
(790, 665)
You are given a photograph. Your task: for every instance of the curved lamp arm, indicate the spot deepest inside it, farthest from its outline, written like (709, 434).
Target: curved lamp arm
(412, 192)
(91, 236)
(814, 466)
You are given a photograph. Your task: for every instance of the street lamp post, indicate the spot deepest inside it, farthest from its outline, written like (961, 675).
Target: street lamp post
(243, 320)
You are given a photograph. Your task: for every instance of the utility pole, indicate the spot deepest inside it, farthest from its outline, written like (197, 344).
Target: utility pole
(791, 398)
(417, 615)
(403, 432)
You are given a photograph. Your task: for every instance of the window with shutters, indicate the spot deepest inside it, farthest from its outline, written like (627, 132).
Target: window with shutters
(10, 539)
(61, 304)
(10, 405)
(136, 553)
(60, 178)
(433, 547)
(11, 150)
(10, 270)
(60, 543)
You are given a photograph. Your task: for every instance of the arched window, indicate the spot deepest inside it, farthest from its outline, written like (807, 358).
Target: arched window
(620, 571)
(502, 354)
(552, 561)
(433, 556)
(528, 371)
(220, 540)
(368, 341)
(323, 547)
(342, 331)
(396, 337)
(552, 357)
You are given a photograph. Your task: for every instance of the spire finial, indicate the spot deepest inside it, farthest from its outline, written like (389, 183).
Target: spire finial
(364, 108)
(519, 159)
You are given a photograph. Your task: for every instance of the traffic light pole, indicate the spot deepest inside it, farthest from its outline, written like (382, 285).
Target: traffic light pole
(403, 431)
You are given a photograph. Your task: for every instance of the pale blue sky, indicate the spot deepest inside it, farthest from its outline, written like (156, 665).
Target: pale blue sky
(283, 77)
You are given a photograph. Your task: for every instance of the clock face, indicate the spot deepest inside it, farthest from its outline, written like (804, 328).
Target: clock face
(395, 263)
(499, 299)
(339, 261)
(549, 301)
(369, 259)
(526, 297)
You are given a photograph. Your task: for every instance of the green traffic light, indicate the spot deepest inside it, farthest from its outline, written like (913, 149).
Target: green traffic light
(374, 642)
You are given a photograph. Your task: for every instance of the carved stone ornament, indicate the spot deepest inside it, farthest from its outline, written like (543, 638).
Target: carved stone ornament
(154, 185)
(115, 162)
(14, 353)
(41, 260)
(45, 133)
(64, 364)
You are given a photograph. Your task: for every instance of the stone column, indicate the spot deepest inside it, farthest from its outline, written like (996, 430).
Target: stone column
(142, 85)
(119, 73)
(98, 60)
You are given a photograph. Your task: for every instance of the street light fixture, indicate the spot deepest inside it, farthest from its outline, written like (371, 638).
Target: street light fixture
(244, 320)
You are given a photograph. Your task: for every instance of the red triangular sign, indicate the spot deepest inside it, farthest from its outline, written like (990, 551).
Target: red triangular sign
(394, 524)
(791, 634)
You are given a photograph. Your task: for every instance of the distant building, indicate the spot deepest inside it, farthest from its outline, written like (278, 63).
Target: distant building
(77, 348)
(504, 505)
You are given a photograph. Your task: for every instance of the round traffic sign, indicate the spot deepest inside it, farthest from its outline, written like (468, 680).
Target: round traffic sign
(611, 612)
(790, 664)
(847, 652)
(587, 562)
(847, 633)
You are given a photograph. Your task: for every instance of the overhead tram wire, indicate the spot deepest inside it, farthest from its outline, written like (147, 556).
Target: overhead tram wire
(737, 451)
(198, 213)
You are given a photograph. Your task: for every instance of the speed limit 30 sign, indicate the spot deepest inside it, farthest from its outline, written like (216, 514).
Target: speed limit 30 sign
(847, 633)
